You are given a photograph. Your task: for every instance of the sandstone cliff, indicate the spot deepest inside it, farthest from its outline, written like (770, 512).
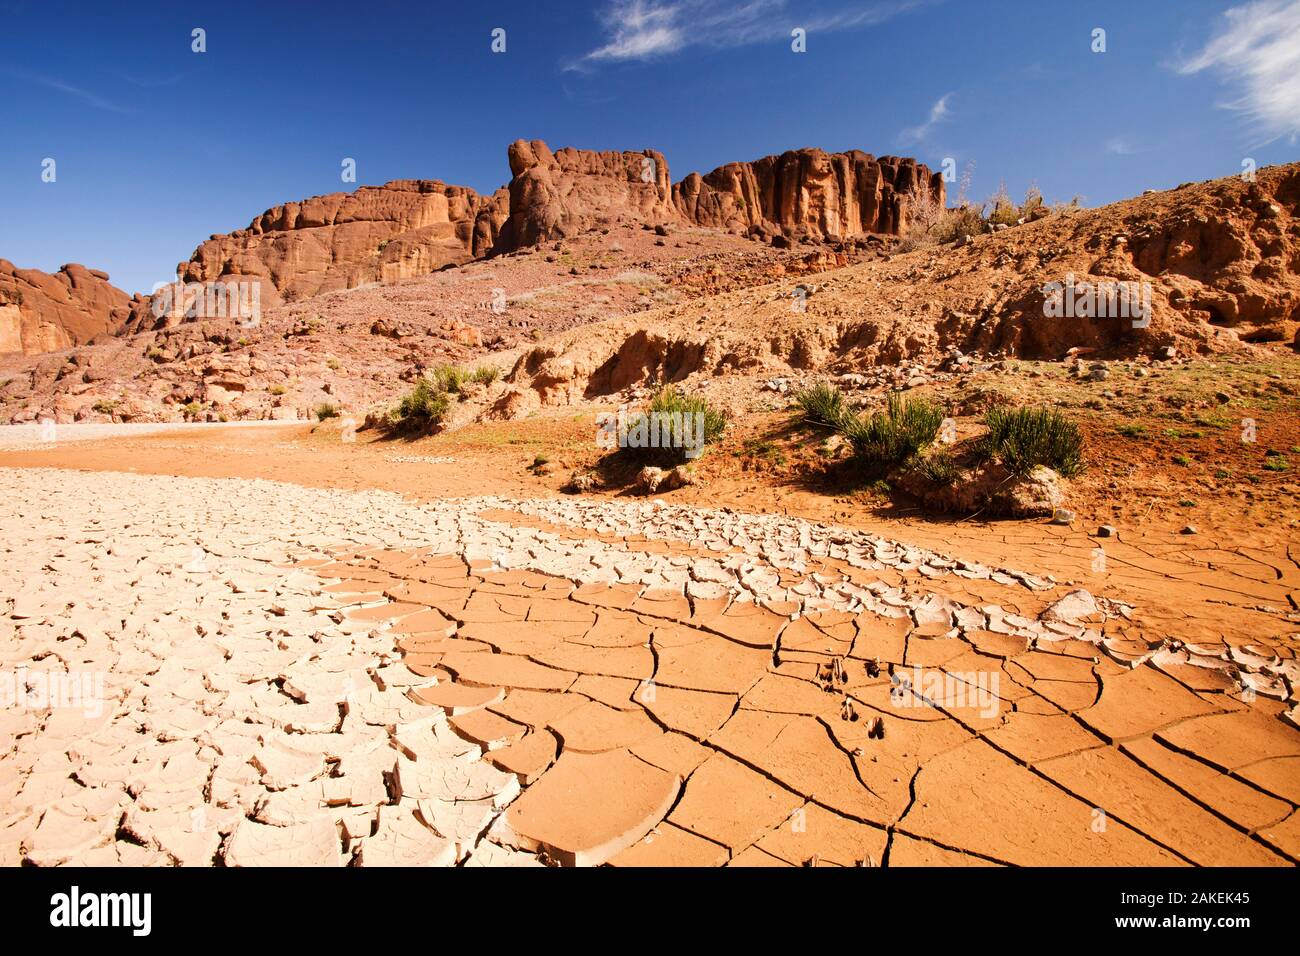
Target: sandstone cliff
(43, 312)
(404, 228)
(808, 192)
(554, 195)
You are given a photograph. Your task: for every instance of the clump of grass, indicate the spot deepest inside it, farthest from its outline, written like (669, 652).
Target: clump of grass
(1024, 438)
(1129, 430)
(326, 410)
(893, 437)
(191, 411)
(822, 405)
(276, 389)
(422, 409)
(1181, 460)
(104, 407)
(449, 378)
(674, 427)
(938, 468)
(485, 374)
(1276, 463)
(764, 450)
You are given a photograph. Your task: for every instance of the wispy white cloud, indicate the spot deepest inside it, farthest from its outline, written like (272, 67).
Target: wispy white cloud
(1120, 146)
(647, 29)
(1257, 47)
(938, 113)
(56, 84)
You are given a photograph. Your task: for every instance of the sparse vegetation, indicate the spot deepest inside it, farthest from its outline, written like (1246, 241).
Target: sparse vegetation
(486, 374)
(823, 405)
(421, 410)
(1276, 462)
(1129, 430)
(449, 378)
(1024, 438)
(671, 426)
(192, 411)
(326, 410)
(893, 437)
(938, 468)
(104, 407)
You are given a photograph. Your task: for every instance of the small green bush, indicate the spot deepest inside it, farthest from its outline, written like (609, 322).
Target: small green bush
(822, 405)
(421, 409)
(1024, 438)
(449, 378)
(326, 410)
(938, 468)
(486, 374)
(893, 437)
(674, 428)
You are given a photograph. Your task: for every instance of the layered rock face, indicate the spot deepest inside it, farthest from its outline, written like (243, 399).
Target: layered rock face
(40, 312)
(404, 228)
(553, 195)
(808, 192)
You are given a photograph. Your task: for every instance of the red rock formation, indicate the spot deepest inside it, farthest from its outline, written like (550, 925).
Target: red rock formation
(40, 312)
(404, 228)
(559, 194)
(807, 192)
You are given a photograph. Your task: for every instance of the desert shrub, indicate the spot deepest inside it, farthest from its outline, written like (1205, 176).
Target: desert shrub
(449, 378)
(893, 437)
(1024, 438)
(673, 428)
(192, 411)
(938, 468)
(486, 374)
(326, 410)
(421, 409)
(959, 222)
(104, 407)
(822, 405)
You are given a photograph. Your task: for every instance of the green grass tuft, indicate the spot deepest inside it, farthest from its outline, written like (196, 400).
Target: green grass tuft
(822, 405)
(893, 437)
(1024, 438)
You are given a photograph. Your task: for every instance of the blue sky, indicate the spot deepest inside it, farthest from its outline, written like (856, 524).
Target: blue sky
(157, 146)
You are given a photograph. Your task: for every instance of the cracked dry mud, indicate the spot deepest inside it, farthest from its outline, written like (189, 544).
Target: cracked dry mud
(305, 676)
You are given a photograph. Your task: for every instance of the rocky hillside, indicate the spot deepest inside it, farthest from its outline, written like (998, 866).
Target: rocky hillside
(414, 227)
(40, 312)
(1219, 261)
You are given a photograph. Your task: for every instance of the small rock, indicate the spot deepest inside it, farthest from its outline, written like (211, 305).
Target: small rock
(1188, 529)
(1063, 516)
(1106, 531)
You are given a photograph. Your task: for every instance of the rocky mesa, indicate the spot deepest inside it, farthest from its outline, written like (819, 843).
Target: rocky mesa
(44, 312)
(404, 228)
(809, 193)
